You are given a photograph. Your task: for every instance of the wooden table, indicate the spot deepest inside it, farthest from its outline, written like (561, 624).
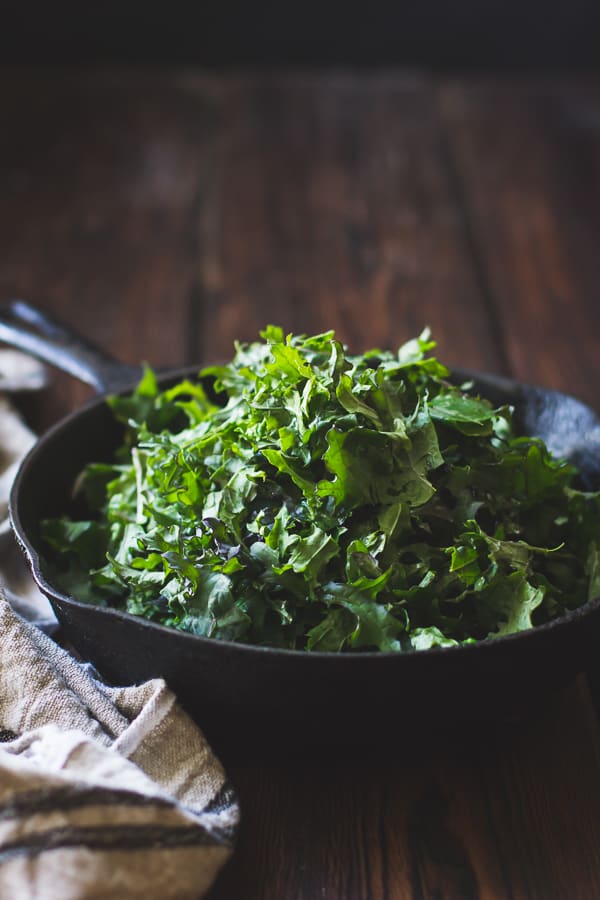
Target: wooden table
(169, 212)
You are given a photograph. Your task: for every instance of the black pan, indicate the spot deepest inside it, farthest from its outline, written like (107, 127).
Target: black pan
(256, 699)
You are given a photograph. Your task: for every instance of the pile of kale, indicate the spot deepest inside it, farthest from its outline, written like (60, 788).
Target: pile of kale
(305, 498)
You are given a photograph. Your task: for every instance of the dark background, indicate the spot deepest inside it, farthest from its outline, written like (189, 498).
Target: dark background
(465, 34)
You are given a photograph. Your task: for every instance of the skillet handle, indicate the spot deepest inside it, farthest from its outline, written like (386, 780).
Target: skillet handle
(27, 328)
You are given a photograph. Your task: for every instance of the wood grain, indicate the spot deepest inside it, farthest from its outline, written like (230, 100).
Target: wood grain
(101, 175)
(527, 156)
(373, 831)
(167, 213)
(333, 207)
(507, 813)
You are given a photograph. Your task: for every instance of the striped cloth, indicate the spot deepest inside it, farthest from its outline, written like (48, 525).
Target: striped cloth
(104, 792)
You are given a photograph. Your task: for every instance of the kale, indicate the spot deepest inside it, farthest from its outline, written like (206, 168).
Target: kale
(305, 498)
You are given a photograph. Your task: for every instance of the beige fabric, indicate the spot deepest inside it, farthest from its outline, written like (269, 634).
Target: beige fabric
(104, 792)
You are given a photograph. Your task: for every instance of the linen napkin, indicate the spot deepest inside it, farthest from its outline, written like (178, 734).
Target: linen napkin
(104, 792)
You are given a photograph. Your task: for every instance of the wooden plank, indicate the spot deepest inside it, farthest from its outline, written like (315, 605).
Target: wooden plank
(488, 817)
(332, 208)
(527, 156)
(100, 174)
(508, 813)
(543, 790)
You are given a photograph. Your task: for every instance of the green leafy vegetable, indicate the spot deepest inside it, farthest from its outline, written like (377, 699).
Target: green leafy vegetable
(305, 498)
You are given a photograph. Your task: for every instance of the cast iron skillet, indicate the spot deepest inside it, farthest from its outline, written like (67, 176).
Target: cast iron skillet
(254, 699)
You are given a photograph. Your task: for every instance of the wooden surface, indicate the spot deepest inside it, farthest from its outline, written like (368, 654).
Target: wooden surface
(167, 213)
